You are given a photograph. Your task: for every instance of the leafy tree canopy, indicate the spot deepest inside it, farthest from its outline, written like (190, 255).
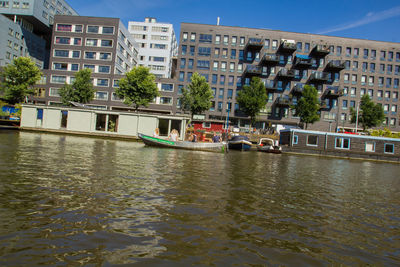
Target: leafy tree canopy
(138, 88)
(252, 98)
(369, 115)
(81, 90)
(18, 79)
(308, 106)
(197, 97)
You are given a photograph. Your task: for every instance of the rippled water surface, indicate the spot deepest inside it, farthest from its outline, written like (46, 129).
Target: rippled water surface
(67, 200)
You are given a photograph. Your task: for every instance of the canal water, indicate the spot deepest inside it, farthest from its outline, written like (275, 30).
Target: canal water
(68, 200)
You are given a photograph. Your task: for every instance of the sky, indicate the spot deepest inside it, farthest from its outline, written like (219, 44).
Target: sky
(363, 19)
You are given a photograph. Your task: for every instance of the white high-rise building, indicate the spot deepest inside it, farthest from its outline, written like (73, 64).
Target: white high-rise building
(157, 45)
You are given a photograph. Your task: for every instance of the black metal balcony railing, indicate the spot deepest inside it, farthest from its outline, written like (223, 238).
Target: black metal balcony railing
(253, 70)
(298, 88)
(302, 61)
(286, 74)
(269, 59)
(319, 76)
(333, 92)
(287, 47)
(254, 44)
(283, 101)
(320, 50)
(335, 65)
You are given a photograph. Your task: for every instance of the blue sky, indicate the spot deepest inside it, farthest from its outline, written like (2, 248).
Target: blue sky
(365, 19)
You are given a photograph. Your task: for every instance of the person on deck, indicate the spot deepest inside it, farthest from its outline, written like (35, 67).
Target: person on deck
(174, 135)
(216, 138)
(156, 132)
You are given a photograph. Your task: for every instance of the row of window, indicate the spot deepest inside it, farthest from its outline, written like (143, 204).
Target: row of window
(345, 143)
(78, 41)
(104, 96)
(383, 68)
(89, 28)
(152, 37)
(87, 54)
(75, 67)
(15, 4)
(349, 51)
(146, 28)
(371, 79)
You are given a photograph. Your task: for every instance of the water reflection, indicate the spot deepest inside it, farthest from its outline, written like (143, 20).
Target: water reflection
(76, 200)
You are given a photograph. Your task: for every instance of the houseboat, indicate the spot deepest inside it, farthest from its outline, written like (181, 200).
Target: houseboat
(97, 122)
(340, 145)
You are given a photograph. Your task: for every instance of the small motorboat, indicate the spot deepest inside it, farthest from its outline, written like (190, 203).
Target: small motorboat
(239, 142)
(200, 146)
(269, 145)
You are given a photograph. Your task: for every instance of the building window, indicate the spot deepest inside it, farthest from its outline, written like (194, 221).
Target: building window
(61, 53)
(369, 146)
(101, 95)
(108, 30)
(167, 87)
(106, 43)
(104, 69)
(205, 38)
(389, 148)
(64, 28)
(342, 143)
(312, 140)
(105, 56)
(166, 100)
(91, 42)
(63, 40)
(102, 82)
(93, 29)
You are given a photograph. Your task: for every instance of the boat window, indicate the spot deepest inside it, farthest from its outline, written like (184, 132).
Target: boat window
(101, 122)
(64, 118)
(163, 126)
(312, 140)
(295, 139)
(176, 124)
(389, 148)
(369, 146)
(342, 143)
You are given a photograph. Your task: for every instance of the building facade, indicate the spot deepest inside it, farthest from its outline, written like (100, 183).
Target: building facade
(103, 45)
(157, 45)
(342, 70)
(31, 22)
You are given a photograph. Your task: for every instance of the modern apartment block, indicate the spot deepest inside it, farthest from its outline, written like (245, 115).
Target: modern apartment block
(157, 45)
(103, 45)
(342, 70)
(28, 28)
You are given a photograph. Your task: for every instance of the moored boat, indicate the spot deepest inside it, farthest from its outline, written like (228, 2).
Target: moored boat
(200, 146)
(239, 142)
(268, 145)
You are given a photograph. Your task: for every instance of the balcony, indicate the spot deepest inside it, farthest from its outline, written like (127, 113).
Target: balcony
(254, 44)
(302, 61)
(252, 70)
(287, 47)
(323, 105)
(320, 50)
(286, 74)
(270, 85)
(298, 88)
(335, 65)
(333, 92)
(283, 101)
(319, 76)
(269, 59)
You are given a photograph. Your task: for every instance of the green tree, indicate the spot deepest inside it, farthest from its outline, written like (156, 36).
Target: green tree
(18, 79)
(138, 88)
(252, 98)
(308, 106)
(81, 90)
(197, 97)
(369, 115)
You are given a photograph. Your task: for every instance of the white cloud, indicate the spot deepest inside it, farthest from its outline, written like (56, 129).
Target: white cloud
(367, 19)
